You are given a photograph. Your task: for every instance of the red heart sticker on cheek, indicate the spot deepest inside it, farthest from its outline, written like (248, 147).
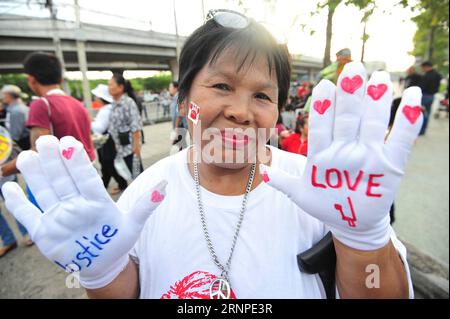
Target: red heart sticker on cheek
(321, 106)
(194, 111)
(376, 91)
(412, 113)
(350, 85)
(68, 153)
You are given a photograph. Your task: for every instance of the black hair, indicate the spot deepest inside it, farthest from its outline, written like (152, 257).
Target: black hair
(44, 67)
(175, 84)
(427, 63)
(104, 101)
(300, 123)
(127, 88)
(211, 40)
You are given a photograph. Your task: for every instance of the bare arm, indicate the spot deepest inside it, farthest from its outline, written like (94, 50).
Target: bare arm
(125, 286)
(352, 272)
(10, 167)
(137, 143)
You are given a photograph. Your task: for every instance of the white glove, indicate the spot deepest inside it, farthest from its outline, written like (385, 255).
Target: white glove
(351, 174)
(81, 229)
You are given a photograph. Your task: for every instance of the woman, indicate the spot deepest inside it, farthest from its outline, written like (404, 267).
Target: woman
(125, 121)
(224, 227)
(107, 152)
(297, 142)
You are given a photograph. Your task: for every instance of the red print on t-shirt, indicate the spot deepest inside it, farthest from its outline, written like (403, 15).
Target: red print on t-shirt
(193, 286)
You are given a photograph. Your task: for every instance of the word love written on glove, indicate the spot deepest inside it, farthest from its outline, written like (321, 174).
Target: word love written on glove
(334, 178)
(85, 256)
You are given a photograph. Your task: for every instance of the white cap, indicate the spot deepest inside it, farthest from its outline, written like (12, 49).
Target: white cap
(102, 92)
(11, 89)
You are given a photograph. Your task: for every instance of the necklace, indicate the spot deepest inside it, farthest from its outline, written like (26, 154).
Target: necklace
(220, 287)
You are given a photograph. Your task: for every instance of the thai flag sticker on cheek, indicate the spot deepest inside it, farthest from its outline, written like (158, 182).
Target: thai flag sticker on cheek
(194, 112)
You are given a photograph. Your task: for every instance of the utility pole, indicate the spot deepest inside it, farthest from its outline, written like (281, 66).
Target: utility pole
(57, 43)
(82, 60)
(176, 31)
(203, 10)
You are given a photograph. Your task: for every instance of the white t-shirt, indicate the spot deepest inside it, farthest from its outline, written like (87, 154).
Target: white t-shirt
(101, 121)
(174, 261)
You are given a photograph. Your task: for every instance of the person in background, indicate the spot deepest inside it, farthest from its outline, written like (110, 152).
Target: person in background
(412, 78)
(7, 237)
(165, 102)
(107, 152)
(179, 123)
(2, 114)
(333, 71)
(304, 91)
(430, 86)
(125, 122)
(298, 141)
(288, 116)
(16, 116)
(173, 91)
(54, 113)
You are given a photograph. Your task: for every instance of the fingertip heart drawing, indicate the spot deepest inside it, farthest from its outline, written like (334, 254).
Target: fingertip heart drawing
(321, 106)
(350, 85)
(412, 113)
(67, 153)
(376, 91)
(157, 197)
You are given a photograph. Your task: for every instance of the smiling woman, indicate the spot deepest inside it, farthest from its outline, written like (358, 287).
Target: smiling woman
(215, 224)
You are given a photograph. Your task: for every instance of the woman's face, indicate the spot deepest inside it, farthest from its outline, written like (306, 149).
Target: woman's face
(246, 101)
(114, 89)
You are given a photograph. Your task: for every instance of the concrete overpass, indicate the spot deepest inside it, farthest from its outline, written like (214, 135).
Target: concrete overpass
(107, 47)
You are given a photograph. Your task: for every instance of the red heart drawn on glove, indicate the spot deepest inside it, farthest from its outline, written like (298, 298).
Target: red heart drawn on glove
(157, 197)
(376, 91)
(68, 153)
(351, 85)
(412, 113)
(265, 177)
(321, 106)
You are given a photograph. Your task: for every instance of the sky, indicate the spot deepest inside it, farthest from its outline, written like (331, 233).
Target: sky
(390, 27)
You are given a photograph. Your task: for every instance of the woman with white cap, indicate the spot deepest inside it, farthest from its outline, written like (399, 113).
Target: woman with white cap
(106, 153)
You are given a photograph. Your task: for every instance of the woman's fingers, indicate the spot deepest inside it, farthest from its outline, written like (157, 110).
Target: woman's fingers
(148, 202)
(22, 209)
(407, 124)
(321, 118)
(54, 168)
(80, 168)
(378, 101)
(29, 165)
(349, 107)
(280, 180)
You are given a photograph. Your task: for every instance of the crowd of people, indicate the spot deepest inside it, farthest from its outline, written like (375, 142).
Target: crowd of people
(53, 112)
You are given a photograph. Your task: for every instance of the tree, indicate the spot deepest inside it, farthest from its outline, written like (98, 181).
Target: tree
(368, 6)
(431, 37)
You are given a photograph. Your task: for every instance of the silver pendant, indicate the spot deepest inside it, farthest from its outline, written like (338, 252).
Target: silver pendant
(220, 289)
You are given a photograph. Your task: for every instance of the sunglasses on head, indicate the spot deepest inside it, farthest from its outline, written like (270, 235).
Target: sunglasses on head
(235, 20)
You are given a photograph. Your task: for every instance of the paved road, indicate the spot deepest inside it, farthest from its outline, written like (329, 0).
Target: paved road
(422, 204)
(422, 215)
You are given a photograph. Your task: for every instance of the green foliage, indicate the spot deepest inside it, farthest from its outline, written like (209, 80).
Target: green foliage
(155, 83)
(432, 19)
(17, 79)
